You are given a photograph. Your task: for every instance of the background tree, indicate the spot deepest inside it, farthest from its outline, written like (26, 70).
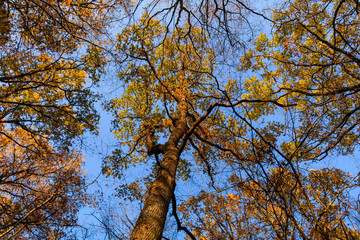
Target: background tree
(41, 190)
(315, 60)
(50, 57)
(43, 76)
(278, 209)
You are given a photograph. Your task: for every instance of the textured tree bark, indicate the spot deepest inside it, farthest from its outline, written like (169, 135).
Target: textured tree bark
(150, 224)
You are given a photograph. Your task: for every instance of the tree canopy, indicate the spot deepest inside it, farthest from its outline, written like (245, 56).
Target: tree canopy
(223, 132)
(41, 189)
(44, 88)
(50, 57)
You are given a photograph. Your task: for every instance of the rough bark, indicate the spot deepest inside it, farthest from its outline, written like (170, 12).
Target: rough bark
(151, 222)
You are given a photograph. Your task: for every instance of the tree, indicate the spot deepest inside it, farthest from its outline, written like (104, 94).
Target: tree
(43, 76)
(51, 56)
(300, 106)
(41, 190)
(314, 51)
(164, 90)
(169, 93)
(278, 209)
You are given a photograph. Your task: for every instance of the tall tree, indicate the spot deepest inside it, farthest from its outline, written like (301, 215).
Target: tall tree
(170, 92)
(161, 107)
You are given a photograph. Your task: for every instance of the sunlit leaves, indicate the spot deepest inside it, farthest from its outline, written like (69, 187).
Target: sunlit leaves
(43, 75)
(164, 68)
(276, 208)
(49, 59)
(41, 190)
(312, 64)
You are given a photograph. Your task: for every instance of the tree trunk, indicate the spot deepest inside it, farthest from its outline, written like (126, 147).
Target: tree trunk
(150, 224)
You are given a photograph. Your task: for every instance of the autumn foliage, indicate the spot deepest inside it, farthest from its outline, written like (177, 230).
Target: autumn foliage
(232, 131)
(45, 104)
(41, 190)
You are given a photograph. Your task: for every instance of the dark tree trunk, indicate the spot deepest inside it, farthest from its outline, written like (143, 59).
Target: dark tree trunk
(151, 222)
